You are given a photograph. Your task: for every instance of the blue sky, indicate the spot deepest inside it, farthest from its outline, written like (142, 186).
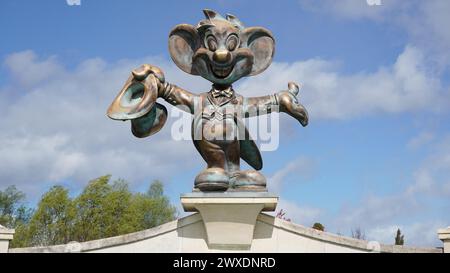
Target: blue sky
(376, 154)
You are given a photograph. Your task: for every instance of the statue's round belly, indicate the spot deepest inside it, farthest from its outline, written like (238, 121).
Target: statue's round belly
(219, 131)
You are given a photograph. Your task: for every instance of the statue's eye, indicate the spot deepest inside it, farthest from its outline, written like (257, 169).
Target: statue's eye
(232, 42)
(211, 43)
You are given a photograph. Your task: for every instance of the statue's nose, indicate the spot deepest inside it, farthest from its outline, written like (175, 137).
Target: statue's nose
(222, 56)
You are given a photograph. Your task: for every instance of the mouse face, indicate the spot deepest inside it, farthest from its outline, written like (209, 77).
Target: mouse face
(221, 50)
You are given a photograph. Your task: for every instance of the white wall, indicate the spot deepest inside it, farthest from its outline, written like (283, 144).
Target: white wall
(188, 235)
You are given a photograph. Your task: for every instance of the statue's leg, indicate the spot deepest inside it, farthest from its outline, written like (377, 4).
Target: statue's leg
(232, 156)
(250, 180)
(215, 177)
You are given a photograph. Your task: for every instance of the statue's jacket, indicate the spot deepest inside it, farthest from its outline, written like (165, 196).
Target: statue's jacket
(218, 117)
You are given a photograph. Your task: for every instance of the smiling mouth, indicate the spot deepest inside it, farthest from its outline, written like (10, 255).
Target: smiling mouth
(221, 72)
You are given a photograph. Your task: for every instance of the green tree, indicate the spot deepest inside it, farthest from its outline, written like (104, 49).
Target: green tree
(318, 226)
(14, 214)
(161, 211)
(90, 210)
(103, 209)
(52, 221)
(12, 210)
(118, 214)
(399, 238)
(156, 189)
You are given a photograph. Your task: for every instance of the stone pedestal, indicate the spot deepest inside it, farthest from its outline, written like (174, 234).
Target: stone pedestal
(230, 217)
(6, 235)
(444, 236)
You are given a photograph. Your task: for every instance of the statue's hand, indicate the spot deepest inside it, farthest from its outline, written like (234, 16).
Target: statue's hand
(289, 104)
(138, 96)
(142, 72)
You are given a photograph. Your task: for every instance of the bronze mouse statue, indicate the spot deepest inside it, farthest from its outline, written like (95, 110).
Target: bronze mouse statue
(222, 51)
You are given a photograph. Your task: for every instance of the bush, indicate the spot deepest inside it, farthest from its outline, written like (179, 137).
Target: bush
(318, 226)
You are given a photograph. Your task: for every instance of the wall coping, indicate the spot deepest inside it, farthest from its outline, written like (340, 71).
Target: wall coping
(340, 240)
(6, 233)
(444, 233)
(113, 241)
(194, 218)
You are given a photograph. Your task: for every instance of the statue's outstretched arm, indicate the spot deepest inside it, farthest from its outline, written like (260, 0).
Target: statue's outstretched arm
(177, 96)
(169, 92)
(256, 106)
(284, 101)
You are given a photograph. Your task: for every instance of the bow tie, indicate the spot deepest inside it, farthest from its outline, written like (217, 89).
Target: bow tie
(225, 93)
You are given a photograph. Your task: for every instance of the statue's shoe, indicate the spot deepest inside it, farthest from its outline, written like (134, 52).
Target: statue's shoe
(249, 180)
(212, 179)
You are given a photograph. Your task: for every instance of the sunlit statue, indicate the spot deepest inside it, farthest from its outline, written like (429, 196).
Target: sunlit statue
(222, 51)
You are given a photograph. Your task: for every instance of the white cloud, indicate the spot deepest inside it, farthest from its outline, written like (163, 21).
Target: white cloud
(373, 210)
(427, 28)
(431, 177)
(353, 9)
(424, 21)
(383, 234)
(378, 216)
(303, 215)
(420, 140)
(413, 208)
(28, 71)
(416, 234)
(300, 168)
(406, 86)
(54, 126)
(381, 215)
(423, 182)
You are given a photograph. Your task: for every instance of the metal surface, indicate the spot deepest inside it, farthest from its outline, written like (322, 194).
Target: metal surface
(221, 50)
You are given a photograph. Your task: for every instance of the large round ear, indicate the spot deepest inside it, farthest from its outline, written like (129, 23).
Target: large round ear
(183, 43)
(261, 42)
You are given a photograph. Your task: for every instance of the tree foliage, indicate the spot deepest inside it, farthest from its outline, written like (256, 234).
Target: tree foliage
(13, 212)
(103, 209)
(318, 226)
(399, 238)
(52, 221)
(358, 233)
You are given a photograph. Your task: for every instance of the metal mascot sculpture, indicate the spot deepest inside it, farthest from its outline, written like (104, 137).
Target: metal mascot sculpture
(222, 51)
